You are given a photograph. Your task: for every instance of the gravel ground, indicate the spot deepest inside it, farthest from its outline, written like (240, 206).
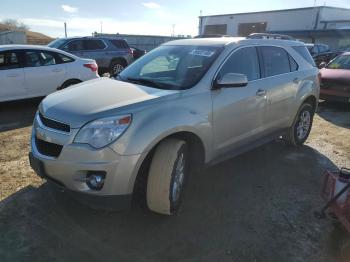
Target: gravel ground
(256, 207)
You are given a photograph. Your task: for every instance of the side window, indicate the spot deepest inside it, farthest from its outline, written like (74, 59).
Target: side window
(243, 61)
(75, 45)
(275, 60)
(293, 64)
(93, 44)
(36, 58)
(8, 60)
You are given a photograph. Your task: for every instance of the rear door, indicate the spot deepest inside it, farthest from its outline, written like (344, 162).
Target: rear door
(280, 72)
(43, 71)
(95, 49)
(11, 76)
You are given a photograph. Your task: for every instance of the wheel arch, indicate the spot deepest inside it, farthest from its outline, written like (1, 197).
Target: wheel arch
(196, 153)
(67, 81)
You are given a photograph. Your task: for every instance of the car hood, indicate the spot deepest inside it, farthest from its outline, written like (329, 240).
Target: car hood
(97, 98)
(339, 75)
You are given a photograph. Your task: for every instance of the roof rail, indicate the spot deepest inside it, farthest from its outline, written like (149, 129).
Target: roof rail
(270, 36)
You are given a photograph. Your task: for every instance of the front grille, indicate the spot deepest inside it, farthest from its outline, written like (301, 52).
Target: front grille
(54, 124)
(48, 149)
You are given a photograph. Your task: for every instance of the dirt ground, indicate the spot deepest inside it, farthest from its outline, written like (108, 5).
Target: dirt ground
(256, 207)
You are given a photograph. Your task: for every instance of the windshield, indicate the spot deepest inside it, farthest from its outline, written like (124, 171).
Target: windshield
(341, 62)
(56, 43)
(171, 67)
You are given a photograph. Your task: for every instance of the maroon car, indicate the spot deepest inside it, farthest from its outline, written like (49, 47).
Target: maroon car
(335, 79)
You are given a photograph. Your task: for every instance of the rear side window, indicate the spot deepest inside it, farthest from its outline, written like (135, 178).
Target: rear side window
(120, 44)
(8, 60)
(93, 44)
(64, 59)
(275, 60)
(243, 61)
(293, 65)
(302, 50)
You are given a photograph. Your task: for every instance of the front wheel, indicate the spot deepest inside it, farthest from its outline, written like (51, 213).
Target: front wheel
(167, 176)
(300, 130)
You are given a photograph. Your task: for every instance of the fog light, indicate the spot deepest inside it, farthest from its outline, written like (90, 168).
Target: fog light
(95, 179)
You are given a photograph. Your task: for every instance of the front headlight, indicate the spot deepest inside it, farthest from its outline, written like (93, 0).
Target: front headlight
(102, 132)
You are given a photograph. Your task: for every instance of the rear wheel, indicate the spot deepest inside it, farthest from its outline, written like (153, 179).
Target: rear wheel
(116, 67)
(167, 176)
(300, 130)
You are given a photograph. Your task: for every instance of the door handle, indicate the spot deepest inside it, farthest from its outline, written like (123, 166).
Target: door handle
(296, 80)
(12, 75)
(56, 70)
(261, 92)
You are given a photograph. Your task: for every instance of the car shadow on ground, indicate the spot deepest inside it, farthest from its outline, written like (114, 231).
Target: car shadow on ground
(18, 114)
(256, 207)
(329, 111)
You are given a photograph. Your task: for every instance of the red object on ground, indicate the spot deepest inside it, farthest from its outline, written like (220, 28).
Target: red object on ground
(333, 184)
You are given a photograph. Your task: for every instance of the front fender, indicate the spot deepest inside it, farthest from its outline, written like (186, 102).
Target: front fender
(150, 127)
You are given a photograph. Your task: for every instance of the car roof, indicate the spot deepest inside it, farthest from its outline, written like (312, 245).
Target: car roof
(34, 47)
(223, 41)
(91, 38)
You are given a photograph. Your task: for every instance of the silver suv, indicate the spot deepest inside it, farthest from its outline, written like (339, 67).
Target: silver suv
(184, 105)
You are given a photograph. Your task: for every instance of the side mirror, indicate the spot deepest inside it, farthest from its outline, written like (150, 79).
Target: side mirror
(322, 65)
(231, 80)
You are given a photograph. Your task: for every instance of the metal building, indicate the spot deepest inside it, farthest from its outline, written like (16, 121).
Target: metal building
(13, 37)
(321, 24)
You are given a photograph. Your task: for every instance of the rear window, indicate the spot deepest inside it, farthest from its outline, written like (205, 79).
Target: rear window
(120, 44)
(302, 50)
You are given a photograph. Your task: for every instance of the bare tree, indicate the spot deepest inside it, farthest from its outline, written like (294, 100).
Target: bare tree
(15, 25)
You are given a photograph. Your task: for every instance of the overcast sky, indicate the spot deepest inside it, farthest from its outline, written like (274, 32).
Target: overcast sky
(133, 16)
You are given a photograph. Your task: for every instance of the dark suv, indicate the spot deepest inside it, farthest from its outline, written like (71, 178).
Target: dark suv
(111, 54)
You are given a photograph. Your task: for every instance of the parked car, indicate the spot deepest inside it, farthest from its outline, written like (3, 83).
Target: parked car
(320, 53)
(137, 52)
(187, 104)
(33, 71)
(111, 54)
(335, 79)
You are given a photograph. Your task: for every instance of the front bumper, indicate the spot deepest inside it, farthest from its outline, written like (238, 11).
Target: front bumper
(69, 169)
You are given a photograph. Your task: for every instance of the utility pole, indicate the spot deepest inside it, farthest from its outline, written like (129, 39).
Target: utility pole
(101, 27)
(65, 29)
(173, 31)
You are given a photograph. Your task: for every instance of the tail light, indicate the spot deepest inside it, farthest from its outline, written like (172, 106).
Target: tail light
(92, 66)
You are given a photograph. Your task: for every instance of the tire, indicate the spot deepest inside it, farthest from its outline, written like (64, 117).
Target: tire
(116, 67)
(302, 124)
(69, 83)
(166, 182)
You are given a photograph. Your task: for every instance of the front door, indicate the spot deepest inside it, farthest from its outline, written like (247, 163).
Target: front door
(238, 112)
(11, 76)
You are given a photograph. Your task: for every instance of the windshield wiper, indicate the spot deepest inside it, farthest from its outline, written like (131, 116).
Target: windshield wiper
(143, 81)
(150, 82)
